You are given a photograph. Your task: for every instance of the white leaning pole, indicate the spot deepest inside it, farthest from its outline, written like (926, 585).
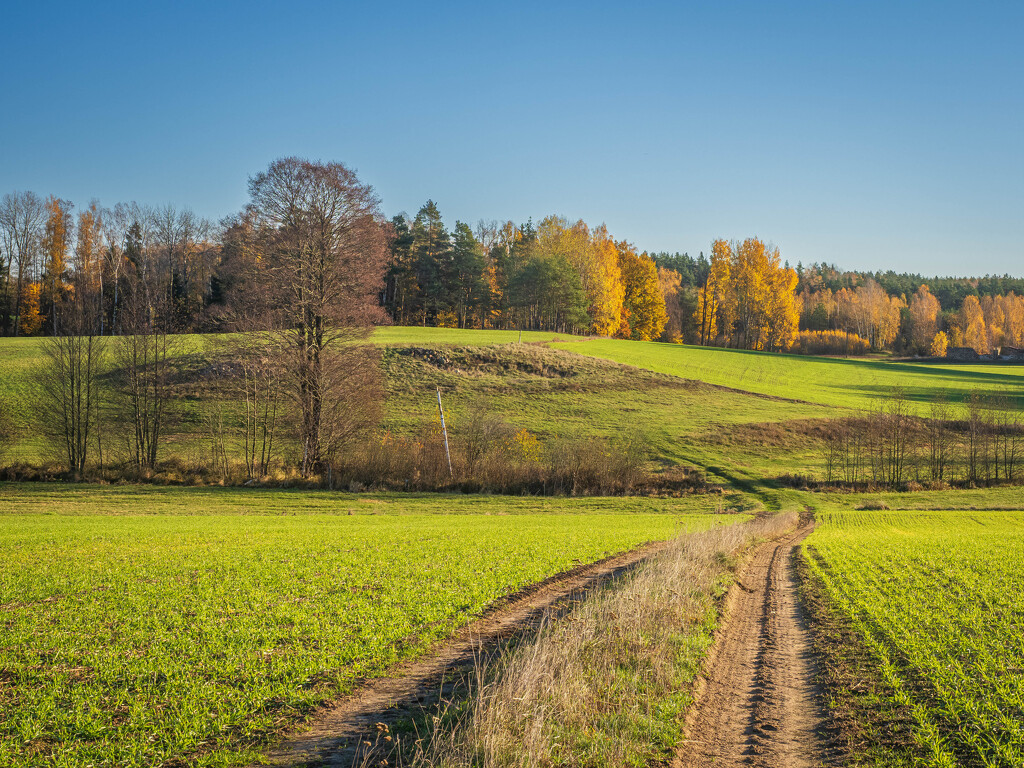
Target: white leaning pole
(444, 429)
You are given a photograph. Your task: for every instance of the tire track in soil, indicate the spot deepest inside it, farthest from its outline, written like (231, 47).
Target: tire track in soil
(334, 736)
(757, 702)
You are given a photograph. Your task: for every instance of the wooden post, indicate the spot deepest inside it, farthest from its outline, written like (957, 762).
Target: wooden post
(444, 429)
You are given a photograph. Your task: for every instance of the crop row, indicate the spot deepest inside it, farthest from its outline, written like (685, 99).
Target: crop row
(938, 598)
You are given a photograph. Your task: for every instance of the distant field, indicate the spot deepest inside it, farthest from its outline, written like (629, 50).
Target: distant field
(148, 625)
(750, 416)
(967, 499)
(938, 599)
(549, 392)
(847, 383)
(413, 334)
(72, 499)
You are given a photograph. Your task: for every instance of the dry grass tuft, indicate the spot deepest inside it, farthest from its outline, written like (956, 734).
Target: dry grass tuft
(609, 682)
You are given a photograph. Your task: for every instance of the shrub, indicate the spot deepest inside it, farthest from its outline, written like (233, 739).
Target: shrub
(490, 455)
(830, 343)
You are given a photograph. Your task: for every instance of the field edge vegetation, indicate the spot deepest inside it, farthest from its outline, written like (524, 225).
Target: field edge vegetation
(607, 684)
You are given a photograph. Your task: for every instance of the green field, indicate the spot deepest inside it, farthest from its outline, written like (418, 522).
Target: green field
(143, 625)
(938, 600)
(843, 382)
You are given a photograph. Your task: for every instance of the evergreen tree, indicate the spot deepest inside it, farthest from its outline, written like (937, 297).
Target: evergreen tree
(469, 289)
(432, 257)
(547, 293)
(400, 287)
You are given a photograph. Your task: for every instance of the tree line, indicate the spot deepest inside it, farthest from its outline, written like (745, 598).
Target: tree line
(916, 324)
(557, 275)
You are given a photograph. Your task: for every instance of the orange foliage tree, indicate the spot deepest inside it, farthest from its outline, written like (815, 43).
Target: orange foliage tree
(643, 300)
(1004, 320)
(711, 298)
(749, 298)
(924, 318)
(971, 322)
(30, 320)
(671, 283)
(870, 312)
(939, 345)
(56, 239)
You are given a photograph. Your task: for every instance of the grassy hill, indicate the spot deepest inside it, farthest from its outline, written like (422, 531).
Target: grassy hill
(843, 382)
(743, 416)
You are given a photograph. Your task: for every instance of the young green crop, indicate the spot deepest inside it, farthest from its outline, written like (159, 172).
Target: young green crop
(938, 598)
(136, 639)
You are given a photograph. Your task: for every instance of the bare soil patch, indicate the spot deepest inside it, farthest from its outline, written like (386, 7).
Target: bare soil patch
(758, 703)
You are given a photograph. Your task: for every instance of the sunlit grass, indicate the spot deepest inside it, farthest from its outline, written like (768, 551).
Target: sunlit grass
(847, 383)
(938, 600)
(143, 625)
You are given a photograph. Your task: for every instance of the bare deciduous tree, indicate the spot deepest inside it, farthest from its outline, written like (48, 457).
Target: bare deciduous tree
(975, 437)
(321, 248)
(1011, 441)
(68, 403)
(939, 439)
(142, 351)
(22, 216)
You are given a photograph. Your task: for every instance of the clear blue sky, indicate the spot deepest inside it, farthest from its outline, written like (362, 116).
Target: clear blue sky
(871, 134)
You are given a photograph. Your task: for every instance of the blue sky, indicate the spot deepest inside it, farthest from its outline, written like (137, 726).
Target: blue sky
(874, 135)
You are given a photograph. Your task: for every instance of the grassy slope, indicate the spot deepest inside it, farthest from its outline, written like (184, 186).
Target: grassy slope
(216, 617)
(684, 422)
(609, 387)
(843, 382)
(550, 392)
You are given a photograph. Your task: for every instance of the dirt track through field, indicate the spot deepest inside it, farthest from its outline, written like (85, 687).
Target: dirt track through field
(757, 704)
(335, 734)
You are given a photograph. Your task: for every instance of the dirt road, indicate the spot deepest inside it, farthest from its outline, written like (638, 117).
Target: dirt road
(757, 705)
(335, 734)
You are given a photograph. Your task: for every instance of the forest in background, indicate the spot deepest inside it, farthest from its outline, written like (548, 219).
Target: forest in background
(555, 275)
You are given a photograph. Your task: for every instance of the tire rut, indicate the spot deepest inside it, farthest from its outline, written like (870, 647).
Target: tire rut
(335, 734)
(757, 704)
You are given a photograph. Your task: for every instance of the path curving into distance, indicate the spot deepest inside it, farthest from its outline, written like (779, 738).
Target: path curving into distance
(757, 703)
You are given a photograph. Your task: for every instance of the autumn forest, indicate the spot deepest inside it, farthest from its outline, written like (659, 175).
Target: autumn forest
(556, 274)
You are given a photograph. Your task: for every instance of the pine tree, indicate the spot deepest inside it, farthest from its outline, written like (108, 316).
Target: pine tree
(400, 287)
(432, 255)
(469, 289)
